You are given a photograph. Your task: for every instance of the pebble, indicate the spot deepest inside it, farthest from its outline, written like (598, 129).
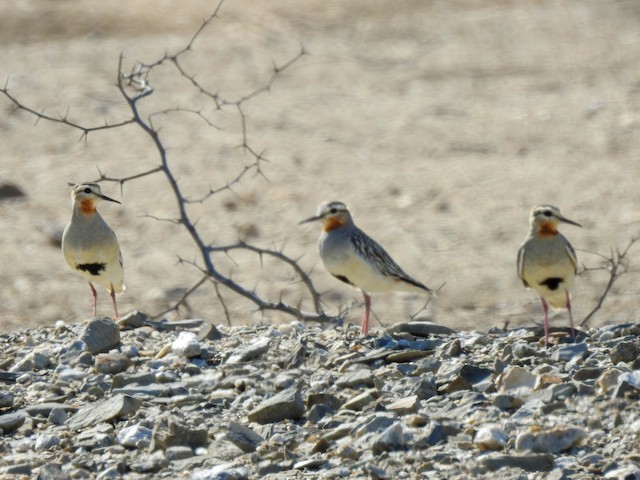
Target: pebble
(491, 437)
(419, 401)
(421, 329)
(112, 362)
(132, 320)
(115, 407)
(57, 416)
(46, 442)
(565, 353)
(243, 437)
(405, 405)
(250, 352)
(135, 436)
(208, 331)
(516, 381)
(359, 401)
(149, 463)
(178, 453)
(177, 429)
(556, 440)
(285, 405)
(6, 399)
(393, 438)
(101, 334)
(186, 345)
(625, 352)
(528, 463)
(12, 421)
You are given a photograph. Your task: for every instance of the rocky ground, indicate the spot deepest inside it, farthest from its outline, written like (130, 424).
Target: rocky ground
(184, 399)
(440, 124)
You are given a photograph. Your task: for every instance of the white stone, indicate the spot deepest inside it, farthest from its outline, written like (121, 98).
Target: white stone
(516, 381)
(134, 436)
(186, 345)
(491, 437)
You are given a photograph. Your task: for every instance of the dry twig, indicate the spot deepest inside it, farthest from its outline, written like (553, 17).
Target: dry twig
(616, 265)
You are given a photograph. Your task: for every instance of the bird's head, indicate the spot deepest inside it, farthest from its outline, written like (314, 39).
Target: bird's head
(87, 195)
(544, 220)
(332, 214)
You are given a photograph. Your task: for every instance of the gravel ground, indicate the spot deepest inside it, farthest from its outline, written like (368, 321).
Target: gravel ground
(143, 399)
(439, 123)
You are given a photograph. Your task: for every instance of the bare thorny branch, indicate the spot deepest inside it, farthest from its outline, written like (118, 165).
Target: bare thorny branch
(616, 265)
(137, 85)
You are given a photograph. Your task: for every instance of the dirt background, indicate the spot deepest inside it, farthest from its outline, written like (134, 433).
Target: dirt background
(439, 123)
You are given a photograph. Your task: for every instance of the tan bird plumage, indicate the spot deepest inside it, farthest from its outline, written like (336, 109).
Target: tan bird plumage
(352, 256)
(89, 246)
(547, 262)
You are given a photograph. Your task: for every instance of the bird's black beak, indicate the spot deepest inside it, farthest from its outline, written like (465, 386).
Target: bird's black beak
(104, 197)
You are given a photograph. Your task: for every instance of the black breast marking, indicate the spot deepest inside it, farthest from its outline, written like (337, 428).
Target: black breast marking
(343, 279)
(552, 283)
(93, 268)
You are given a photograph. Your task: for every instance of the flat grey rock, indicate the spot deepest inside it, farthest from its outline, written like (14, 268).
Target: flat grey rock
(243, 437)
(11, 421)
(250, 352)
(115, 407)
(133, 320)
(362, 376)
(528, 463)
(285, 405)
(421, 329)
(45, 409)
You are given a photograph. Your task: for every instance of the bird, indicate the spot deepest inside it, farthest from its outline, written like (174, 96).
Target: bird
(353, 257)
(547, 262)
(89, 245)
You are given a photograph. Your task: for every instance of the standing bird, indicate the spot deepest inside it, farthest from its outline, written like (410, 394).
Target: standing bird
(352, 256)
(547, 262)
(89, 246)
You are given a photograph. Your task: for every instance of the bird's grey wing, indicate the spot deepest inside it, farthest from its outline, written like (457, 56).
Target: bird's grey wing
(521, 254)
(371, 251)
(572, 256)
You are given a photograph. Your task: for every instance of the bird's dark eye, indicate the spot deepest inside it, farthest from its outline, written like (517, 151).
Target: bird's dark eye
(87, 190)
(334, 210)
(547, 213)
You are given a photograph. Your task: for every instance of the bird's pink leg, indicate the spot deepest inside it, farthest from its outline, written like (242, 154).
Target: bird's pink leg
(546, 322)
(95, 298)
(367, 310)
(573, 331)
(113, 299)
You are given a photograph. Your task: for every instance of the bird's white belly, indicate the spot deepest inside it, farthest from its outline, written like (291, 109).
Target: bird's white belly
(555, 298)
(361, 274)
(111, 272)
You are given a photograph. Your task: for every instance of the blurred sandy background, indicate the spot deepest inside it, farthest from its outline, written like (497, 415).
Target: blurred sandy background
(440, 123)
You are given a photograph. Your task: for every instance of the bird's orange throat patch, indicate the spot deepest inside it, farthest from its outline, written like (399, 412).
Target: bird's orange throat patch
(331, 223)
(548, 229)
(87, 207)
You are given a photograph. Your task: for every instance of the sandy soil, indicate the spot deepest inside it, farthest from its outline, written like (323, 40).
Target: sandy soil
(439, 123)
